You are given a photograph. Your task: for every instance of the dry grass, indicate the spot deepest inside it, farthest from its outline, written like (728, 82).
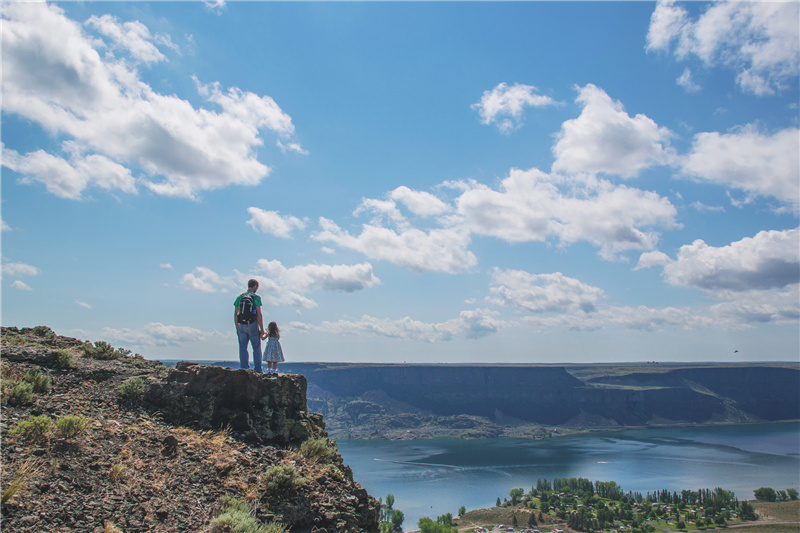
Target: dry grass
(779, 511)
(24, 473)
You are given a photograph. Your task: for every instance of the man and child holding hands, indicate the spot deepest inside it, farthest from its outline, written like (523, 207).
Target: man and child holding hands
(250, 330)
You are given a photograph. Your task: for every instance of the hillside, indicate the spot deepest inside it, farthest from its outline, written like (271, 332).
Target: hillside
(96, 439)
(408, 401)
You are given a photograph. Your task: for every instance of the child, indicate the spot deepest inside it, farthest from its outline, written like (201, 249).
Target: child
(273, 353)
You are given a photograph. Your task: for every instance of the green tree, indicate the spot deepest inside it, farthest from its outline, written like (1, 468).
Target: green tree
(389, 500)
(498, 502)
(747, 511)
(765, 494)
(397, 519)
(516, 494)
(792, 493)
(462, 511)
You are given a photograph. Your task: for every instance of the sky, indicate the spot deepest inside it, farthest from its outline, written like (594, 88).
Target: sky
(453, 182)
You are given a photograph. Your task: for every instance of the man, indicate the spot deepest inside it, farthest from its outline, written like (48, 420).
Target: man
(249, 325)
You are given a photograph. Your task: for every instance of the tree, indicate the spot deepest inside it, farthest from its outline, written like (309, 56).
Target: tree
(792, 493)
(516, 494)
(389, 500)
(498, 502)
(747, 511)
(462, 511)
(766, 494)
(397, 520)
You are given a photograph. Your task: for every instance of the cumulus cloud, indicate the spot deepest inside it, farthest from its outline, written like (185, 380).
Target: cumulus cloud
(203, 279)
(504, 106)
(641, 318)
(117, 126)
(158, 334)
(753, 307)
(420, 203)
(757, 40)
(279, 285)
(746, 159)
(434, 250)
(650, 259)
(273, 223)
(19, 269)
(83, 304)
(537, 293)
(21, 286)
(534, 206)
(469, 324)
(770, 260)
(604, 138)
(4, 226)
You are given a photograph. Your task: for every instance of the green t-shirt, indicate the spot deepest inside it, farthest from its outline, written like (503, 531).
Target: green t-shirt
(256, 300)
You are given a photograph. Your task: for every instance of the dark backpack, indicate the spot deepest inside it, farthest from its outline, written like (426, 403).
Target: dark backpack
(247, 308)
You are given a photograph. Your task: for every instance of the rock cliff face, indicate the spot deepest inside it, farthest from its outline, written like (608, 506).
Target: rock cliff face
(484, 400)
(164, 455)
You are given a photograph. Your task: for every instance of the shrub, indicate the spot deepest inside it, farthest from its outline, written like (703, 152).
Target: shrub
(318, 451)
(17, 392)
(117, 472)
(41, 382)
(133, 389)
(71, 425)
(64, 359)
(24, 472)
(280, 480)
(235, 518)
(33, 430)
(44, 331)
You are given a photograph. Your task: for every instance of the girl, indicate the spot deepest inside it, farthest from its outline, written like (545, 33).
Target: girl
(273, 353)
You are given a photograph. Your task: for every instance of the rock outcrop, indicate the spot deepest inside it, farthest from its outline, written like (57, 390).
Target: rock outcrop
(96, 439)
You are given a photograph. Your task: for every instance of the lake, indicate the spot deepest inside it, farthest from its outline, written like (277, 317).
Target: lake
(437, 476)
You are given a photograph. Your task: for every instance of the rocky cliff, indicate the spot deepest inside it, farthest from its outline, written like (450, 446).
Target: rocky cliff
(403, 401)
(98, 439)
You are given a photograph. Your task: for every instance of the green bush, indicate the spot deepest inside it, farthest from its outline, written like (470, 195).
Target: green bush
(235, 518)
(44, 331)
(33, 430)
(280, 480)
(41, 382)
(72, 425)
(133, 389)
(318, 451)
(64, 359)
(17, 392)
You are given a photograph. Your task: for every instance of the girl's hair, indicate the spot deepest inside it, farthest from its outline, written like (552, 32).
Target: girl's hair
(273, 331)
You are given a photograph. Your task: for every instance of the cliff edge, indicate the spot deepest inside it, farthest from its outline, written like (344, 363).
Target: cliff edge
(98, 439)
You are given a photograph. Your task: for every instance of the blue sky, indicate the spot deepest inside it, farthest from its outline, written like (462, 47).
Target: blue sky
(422, 182)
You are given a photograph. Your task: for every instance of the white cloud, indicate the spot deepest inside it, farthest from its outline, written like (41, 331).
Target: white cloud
(469, 324)
(686, 81)
(640, 318)
(203, 279)
(132, 36)
(770, 260)
(83, 304)
(19, 269)
(650, 259)
(420, 203)
(753, 307)
(4, 226)
(101, 106)
(167, 266)
(757, 40)
(68, 179)
(504, 105)
(279, 285)
(768, 165)
(534, 206)
(20, 285)
(435, 250)
(291, 147)
(215, 6)
(604, 138)
(539, 293)
(273, 223)
(157, 334)
(336, 278)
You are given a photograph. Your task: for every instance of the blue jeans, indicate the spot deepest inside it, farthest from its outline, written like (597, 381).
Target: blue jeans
(249, 333)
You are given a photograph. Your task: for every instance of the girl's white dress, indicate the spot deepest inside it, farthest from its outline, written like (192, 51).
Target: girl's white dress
(273, 352)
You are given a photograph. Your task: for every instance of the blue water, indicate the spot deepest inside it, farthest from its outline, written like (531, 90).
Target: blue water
(437, 476)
